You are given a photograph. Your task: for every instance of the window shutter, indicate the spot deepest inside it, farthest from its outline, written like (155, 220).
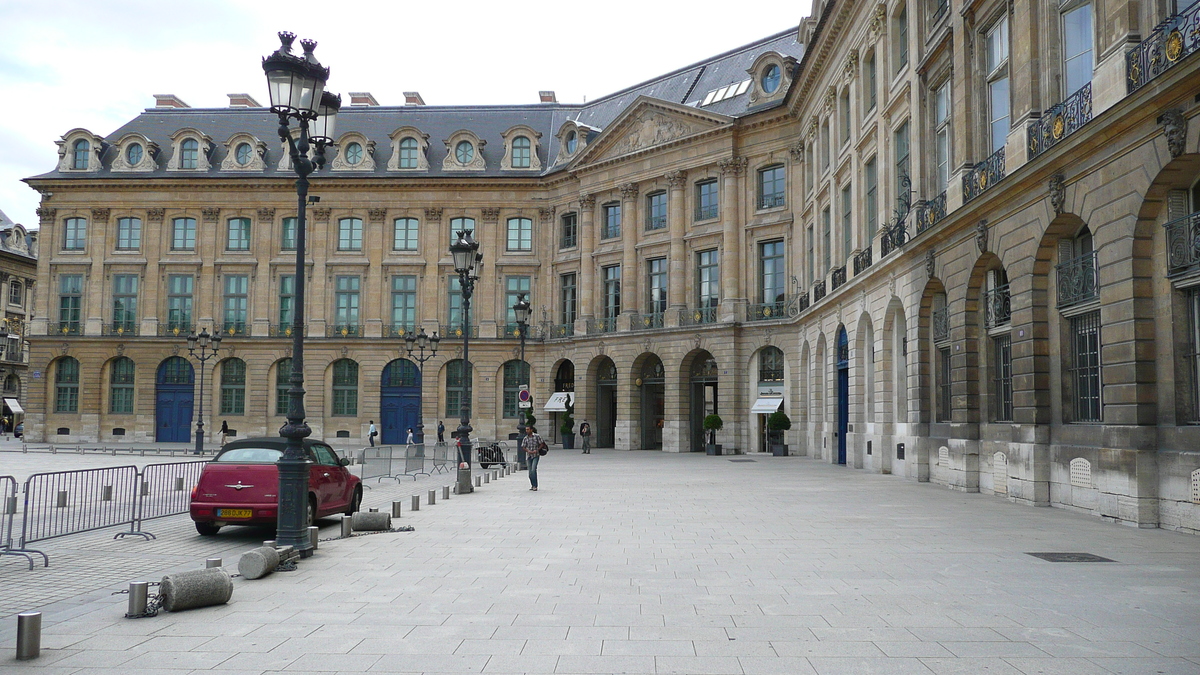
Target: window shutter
(1177, 204)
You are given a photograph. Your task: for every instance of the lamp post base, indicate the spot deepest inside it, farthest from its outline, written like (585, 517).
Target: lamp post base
(464, 481)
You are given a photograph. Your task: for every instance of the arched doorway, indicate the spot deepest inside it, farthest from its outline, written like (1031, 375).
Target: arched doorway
(653, 390)
(843, 385)
(703, 396)
(556, 405)
(173, 401)
(399, 401)
(606, 404)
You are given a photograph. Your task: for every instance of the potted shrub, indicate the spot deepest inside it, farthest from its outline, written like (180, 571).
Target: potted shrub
(567, 429)
(778, 423)
(712, 424)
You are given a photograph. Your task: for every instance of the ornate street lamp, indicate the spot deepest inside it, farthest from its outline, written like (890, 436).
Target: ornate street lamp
(521, 310)
(468, 262)
(206, 345)
(297, 89)
(420, 341)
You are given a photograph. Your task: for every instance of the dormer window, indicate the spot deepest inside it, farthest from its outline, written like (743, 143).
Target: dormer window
(771, 75)
(464, 152)
(521, 149)
(79, 156)
(410, 150)
(134, 154)
(191, 151)
(770, 79)
(354, 154)
(243, 154)
(572, 141)
(408, 153)
(80, 150)
(189, 157)
(520, 152)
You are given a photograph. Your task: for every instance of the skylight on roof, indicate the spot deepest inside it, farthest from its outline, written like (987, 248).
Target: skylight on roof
(722, 93)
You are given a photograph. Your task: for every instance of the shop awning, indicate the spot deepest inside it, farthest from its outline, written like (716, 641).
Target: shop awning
(766, 405)
(14, 406)
(558, 401)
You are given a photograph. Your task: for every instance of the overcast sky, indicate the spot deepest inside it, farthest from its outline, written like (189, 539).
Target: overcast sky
(97, 63)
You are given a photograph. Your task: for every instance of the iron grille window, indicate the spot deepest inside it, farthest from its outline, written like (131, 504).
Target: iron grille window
(283, 384)
(238, 238)
(350, 234)
(847, 221)
(1002, 363)
(345, 388)
(183, 234)
(125, 289)
(520, 234)
(708, 201)
(612, 291)
(1085, 366)
(233, 387)
(772, 187)
(404, 234)
(237, 299)
(70, 302)
(66, 386)
(404, 303)
(120, 380)
(287, 241)
(656, 211)
(456, 388)
(944, 382)
(708, 279)
(129, 234)
(656, 289)
(612, 221)
(567, 298)
(75, 234)
(287, 300)
(570, 230)
(516, 373)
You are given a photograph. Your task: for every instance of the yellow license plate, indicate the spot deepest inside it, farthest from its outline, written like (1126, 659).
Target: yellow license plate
(234, 513)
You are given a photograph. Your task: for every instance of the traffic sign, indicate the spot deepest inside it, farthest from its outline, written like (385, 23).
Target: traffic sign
(524, 404)
(524, 396)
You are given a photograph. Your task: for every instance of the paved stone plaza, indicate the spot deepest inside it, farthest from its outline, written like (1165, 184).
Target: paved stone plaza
(659, 563)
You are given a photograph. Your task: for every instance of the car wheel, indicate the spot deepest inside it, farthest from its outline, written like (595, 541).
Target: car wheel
(312, 512)
(207, 529)
(355, 502)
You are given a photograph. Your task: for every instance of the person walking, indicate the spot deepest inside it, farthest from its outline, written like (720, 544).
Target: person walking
(223, 434)
(441, 432)
(585, 432)
(412, 438)
(534, 448)
(372, 433)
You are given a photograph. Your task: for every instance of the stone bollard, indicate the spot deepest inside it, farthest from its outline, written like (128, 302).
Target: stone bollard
(258, 562)
(347, 526)
(445, 492)
(197, 588)
(432, 499)
(210, 563)
(314, 536)
(372, 521)
(29, 636)
(416, 502)
(487, 477)
(478, 481)
(396, 506)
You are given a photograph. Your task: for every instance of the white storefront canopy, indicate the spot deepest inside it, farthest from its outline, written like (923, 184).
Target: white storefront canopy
(558, 401)
(14, 406)
(766, 405)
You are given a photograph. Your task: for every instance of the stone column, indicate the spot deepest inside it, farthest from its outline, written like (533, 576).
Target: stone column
(434, 248)
(487, 309)
(375, 289)
(677, 263)
(732, 298)
(630, 225)
(262, 283)
(587, 268)
(97, 243)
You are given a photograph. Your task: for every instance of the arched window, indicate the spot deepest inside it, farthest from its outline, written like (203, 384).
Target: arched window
(345, 388)
(408, 153)
(283, 383)
(175, 370)
(401, 373)
(521, 152)
(233, 387)
(516, 373)
(12, 386)
(120, 380)
(79, 154)
(66, 386)
(770, 365)
(189, 154)
(456, 387)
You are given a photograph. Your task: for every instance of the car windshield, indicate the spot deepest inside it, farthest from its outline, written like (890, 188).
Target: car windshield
(250, 455)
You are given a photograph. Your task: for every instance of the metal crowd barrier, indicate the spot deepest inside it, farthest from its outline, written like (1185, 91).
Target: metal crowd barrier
(8, 514)
(165, 490)
(67, 502)
(442, 460)
(414, 460)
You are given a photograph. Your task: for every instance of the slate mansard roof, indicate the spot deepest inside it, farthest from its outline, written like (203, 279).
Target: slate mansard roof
(686, 86)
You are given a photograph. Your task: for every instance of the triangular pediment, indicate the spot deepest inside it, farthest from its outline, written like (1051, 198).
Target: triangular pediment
(649, 123)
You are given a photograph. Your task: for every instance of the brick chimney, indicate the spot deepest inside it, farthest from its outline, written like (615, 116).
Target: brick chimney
(413, 98)
(169, 101)
(242, 101)
(547, 97)
(362, 98)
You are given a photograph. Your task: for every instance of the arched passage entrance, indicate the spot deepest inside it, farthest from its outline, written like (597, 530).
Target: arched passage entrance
(843, 389)
(556, 405)
(173, 401)
(703, 391)
(653, 407)
(606, 403)
(399, 401)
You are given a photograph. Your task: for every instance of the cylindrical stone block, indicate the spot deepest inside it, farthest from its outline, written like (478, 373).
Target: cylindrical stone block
(213, 562)
(396, 509)
(139, 592)
(445, 492)
(106, 493)
(258, 562)
(495, 474)
(487, 477)
(314, 536)
(455, 488)
(61, 501)
(432, 499)
(270, 543)
(371, 521)
(347, 526)
(197, 588)
(416, 502)
(29, 636)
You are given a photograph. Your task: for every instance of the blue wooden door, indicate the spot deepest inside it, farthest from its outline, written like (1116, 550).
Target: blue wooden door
(174, 401)
(843, 409)
(399, 401)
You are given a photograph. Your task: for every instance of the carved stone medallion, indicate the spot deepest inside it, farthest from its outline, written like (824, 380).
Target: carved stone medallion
(981, 235)
(1175, 128)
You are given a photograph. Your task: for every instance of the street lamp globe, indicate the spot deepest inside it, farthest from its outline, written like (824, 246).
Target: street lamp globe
(295, 83)
(463, 252)
(521, 310)
(323, 126)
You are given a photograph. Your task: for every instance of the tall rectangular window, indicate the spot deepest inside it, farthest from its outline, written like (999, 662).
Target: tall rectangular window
(612, 291)
(707, 200)
(346, 301)
(74, 234)
(514, 288)
(772, 272)
(903, 159)
(1002, 362)
(847, 221)
(125, 292)
(350, 234)
(870, 81)
(612, 221)
(66, 385)
(844, 111)
(404, 303)
(569, 237)
(408, 153)
(287, 302)
(997, 86)
(941, 122)
(454, 314)
(183, 234)
(461, 225)
(233, 387)
(404, 234)
(871, 202)
(287, 240)
(520, 234)
(179, 302)
(772, 188)
(656, 286)
(944, 390)
(129, 234)
(826, 240)
(567, 298)
(900, 46)
(70, 303)
(1077, 47)
(1085, 366)
(238, 237)
(283, 385)
(708, 279)
(656, 211)
(812, 254)
(237, 303)
(120, 400)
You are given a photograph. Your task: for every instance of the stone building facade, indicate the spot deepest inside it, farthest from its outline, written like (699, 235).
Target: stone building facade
(18, 272)
(954, 240)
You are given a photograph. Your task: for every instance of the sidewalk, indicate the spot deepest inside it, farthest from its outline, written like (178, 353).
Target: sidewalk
(630, 562)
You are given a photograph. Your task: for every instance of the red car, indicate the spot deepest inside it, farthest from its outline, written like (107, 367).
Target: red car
(241, 485)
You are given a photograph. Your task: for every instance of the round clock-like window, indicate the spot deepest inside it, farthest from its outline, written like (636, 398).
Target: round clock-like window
(243, 154)
(464, 152)
(771, 78)
(354, 154)
(572, 142)
(133, 154)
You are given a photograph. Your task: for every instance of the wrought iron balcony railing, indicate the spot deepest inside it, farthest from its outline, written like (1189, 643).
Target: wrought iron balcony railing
(120, 328)
(698, 316)
(802, 302)
(941, 324)
(862, 260)
(511, 331)
(1060, 121)
(985, 174)
(399, 330)
(707, 212)
(770, 201)
(562, 330)
(455, 332)
(648, 321)
(175, 329)
(766, 311)
(997, 307)
(1166, 46)
(837, 278)
(930, 212)
(818, 290)
(344, 330)
(656, 222)
(1078, 281)
(283, 330)
(1183, 244)
(235, 329)
(601, 325)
